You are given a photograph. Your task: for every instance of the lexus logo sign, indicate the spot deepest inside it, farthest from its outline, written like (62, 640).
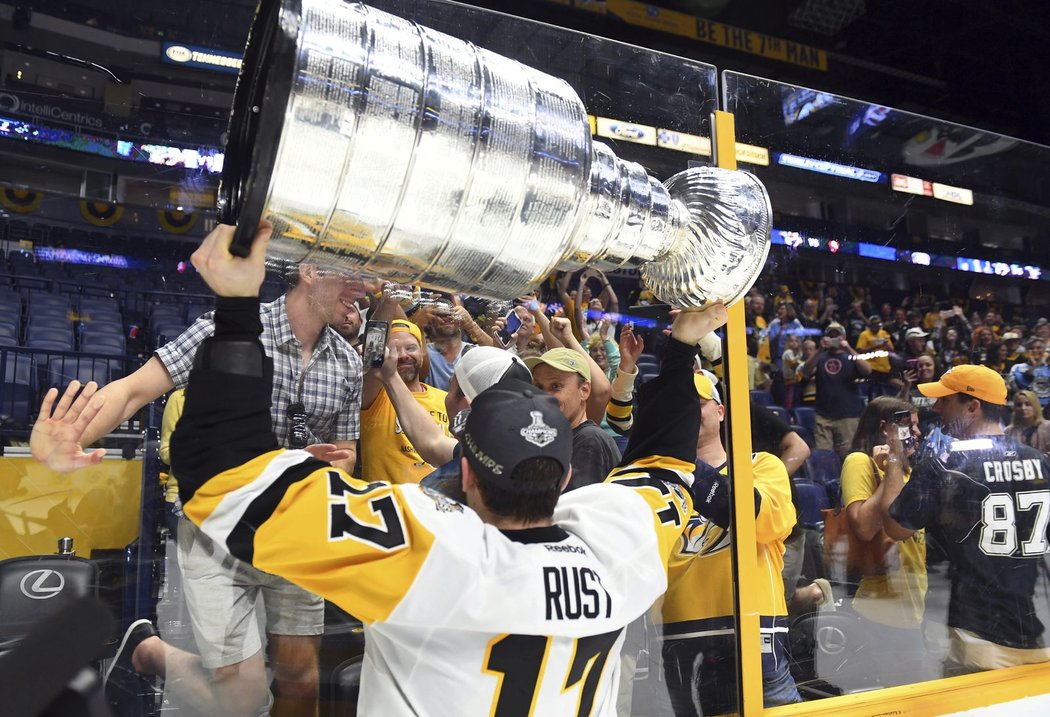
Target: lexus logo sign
(42, 584)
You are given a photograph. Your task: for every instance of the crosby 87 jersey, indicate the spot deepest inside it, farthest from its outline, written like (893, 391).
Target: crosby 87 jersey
(461, 618)
(986, 500)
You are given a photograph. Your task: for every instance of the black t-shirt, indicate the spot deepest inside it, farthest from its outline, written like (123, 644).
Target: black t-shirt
(767, 430)
(837, 396)
(986, 501)
(594, 454)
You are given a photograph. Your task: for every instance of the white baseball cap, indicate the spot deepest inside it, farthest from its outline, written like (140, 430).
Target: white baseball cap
(484, 366)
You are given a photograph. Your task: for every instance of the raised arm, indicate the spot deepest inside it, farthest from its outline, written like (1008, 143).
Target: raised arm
(425, 435)
(601, 388)
(120, 400)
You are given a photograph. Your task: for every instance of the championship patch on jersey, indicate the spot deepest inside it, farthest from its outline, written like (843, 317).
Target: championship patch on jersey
(442, 502)
(539, 433)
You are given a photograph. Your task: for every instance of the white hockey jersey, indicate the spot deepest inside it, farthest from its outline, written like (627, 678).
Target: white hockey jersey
(461, 618)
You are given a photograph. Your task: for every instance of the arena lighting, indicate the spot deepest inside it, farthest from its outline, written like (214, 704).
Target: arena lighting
(800, 240)
(206, 158)
(832, 168)
(76, 256)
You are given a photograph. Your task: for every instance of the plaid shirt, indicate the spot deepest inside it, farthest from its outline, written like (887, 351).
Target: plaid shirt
(331, 388)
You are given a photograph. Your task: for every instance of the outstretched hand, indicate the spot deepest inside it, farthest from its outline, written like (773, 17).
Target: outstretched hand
(691, 325)
(631, 347)
(229, 275)
(327, 452)
(56, 437)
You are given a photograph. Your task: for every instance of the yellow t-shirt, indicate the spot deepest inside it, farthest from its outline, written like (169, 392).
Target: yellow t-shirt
(700, 577)
(867, 341)
(897, 598)
(386, 452)
(172, 414)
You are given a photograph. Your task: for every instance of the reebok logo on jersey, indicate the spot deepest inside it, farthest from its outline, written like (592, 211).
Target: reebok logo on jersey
(566, 549)
(1013, 471)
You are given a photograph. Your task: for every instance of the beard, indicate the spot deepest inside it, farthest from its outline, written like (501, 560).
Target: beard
(409, 372)
(441, 330)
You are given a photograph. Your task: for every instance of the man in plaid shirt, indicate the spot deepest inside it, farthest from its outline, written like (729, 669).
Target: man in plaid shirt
(316, 402)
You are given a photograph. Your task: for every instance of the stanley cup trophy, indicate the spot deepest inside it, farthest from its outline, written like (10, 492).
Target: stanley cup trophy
(378, 146)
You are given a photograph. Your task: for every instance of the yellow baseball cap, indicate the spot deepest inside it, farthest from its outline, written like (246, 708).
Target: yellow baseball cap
(978, 381)
(705, 386)
(402, 325)
(564, 360)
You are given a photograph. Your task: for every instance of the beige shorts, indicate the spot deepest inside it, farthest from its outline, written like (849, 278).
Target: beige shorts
(221, 594)
(973, 652)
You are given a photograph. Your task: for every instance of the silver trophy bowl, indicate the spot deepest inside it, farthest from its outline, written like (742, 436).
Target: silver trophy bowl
(381, 147)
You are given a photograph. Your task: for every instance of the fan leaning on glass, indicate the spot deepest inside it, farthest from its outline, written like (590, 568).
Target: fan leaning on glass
(377, 146)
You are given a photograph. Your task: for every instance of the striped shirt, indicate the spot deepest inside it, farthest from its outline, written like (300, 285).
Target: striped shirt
(329, 389)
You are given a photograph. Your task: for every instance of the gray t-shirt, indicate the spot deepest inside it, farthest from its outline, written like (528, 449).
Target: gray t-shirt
(594, 455)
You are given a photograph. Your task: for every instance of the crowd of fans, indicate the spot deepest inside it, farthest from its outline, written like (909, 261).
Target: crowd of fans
(886, 349)
(398, 416)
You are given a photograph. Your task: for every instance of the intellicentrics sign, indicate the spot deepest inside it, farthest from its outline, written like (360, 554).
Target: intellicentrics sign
(204, 58)
(15, 104)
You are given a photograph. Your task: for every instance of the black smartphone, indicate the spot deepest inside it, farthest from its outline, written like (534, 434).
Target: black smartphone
(375, 343)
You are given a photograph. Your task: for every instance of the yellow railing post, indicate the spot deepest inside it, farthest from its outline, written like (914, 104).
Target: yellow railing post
(739, 448)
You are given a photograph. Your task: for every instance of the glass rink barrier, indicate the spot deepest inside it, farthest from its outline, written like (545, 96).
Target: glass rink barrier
(839, 506)
(905, 282)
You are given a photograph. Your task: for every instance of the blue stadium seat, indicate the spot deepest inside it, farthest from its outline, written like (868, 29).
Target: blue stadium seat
(812, 499)
(807, 435)
(9, 332)
(38, 299)
(109, 328)
(53, 343)
(102, 343)
(51, 323)
(18, 391)
(644, 374)
(823, 466)
(762, 398)
(63, 369)
(805, 417)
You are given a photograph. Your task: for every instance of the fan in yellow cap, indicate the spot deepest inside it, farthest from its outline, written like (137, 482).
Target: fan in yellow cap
(980, 382)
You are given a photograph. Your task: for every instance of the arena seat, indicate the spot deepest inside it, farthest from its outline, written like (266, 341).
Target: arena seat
(63, 369)
(762, 398)
(8, 331)
(823, 466)
(806, 434)
(21, 609)
(805, 417)
(44, 343)
(102, 343)
(18, 394)
(54, 322)
(812, 499)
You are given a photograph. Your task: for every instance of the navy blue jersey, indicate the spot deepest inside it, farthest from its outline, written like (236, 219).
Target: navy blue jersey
(987, 502)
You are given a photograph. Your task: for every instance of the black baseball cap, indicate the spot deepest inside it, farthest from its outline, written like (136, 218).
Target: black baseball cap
(509, 422)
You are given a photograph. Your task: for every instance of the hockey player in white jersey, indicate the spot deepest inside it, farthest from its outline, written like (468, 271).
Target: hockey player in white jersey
(514, 604)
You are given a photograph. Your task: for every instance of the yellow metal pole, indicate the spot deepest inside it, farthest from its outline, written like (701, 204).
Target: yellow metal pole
(739, 448)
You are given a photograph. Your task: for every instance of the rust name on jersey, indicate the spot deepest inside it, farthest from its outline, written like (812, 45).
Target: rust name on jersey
(575, 592)
(1016, 471)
